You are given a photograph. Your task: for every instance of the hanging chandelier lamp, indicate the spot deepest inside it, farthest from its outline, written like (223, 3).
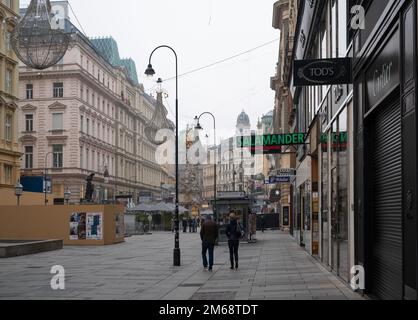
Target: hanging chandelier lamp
(159, 119)
(37, 41)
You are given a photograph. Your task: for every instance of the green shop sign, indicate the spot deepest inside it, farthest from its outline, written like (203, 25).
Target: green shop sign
(270, 143)
(342, 137)
(339, 141)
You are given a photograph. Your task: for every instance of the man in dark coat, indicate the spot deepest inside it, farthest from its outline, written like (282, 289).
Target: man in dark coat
(209, 234)
(234, 233)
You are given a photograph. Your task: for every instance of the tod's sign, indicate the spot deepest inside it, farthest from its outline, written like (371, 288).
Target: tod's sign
(322, 72)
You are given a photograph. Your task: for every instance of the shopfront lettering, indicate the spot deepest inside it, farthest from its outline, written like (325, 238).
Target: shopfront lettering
(383, 74)
(322, 72)
(271, 140)
(382, 78)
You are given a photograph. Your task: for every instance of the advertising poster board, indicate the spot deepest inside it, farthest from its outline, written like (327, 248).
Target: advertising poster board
(94, 226)
(86, 226)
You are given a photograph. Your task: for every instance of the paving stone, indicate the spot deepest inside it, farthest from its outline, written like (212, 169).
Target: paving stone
(275, 268)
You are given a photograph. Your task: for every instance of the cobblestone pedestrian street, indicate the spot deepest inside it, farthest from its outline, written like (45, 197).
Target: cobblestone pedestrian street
(141, 269)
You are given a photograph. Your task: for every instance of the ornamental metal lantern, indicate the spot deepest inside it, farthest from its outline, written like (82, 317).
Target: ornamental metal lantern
(37, 41)
(159, 119)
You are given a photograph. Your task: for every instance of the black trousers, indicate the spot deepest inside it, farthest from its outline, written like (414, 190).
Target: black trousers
(233, 251)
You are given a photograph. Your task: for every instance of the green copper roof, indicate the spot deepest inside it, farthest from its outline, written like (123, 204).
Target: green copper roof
(130, 66)
(108, 48)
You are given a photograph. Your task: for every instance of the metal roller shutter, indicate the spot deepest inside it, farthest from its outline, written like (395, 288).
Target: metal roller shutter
(386, 165)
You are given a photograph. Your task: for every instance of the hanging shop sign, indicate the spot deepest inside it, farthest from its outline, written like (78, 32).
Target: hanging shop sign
(279, 179)
(270, 143)
(339, 141)
(322, 72)
(286, 172)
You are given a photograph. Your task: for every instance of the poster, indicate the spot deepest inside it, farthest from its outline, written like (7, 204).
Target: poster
(86, 226)
(94, 226)
(78, 226)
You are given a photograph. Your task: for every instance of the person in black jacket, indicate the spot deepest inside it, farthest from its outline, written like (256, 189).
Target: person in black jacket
(234, 234)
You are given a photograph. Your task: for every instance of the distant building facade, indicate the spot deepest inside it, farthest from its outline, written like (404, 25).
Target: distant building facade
(86, 115)
(284, 19)
(9, 92)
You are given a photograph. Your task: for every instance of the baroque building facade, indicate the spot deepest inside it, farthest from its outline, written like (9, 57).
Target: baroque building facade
(9, 92)
(284, 19)
(87, 115)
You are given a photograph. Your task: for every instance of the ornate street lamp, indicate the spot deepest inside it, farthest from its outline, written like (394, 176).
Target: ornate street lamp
(199, 127)
(159, 119)
(46, 177)
(35, 41)
(18, 192)
(151, 72)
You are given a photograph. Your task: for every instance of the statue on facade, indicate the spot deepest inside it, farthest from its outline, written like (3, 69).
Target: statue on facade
(89, 188)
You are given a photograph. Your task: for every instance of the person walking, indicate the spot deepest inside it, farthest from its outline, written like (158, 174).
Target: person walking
(209, 235)
(190, 224)
(184, 225)
(234, 233)
(194, 223)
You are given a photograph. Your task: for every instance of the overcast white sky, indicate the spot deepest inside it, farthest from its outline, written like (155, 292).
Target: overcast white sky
(202, 32)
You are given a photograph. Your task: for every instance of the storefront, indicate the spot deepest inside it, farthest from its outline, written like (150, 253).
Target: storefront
(302, 204)
(323, 190)
(336, 171)
(386, 159)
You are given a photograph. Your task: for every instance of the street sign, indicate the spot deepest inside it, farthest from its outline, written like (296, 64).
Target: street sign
(279, 179)
(322, 72)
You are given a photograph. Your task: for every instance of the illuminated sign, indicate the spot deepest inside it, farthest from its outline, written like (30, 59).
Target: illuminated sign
(270, 143)
(339, 141)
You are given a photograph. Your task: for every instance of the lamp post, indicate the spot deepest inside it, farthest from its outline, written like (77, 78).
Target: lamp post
(151, 72)
(199, 127)
(106, 176)
(67, 195)
(45, 177)
(18, 192)
(132, 192)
